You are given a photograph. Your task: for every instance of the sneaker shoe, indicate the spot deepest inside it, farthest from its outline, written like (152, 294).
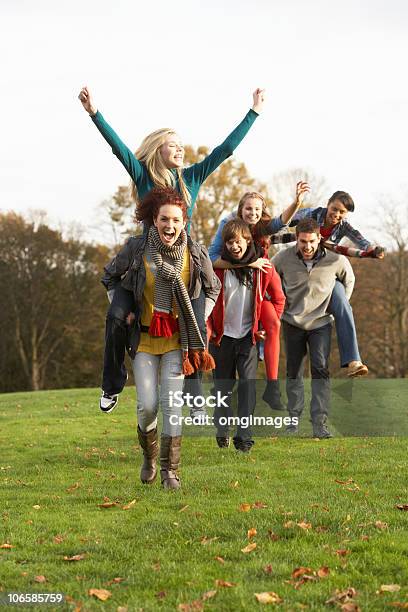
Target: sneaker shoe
(292, 430)
(107, 403)
(356, 368)
(322, 432)
(244, 446)
(223, 442)
(272, 395)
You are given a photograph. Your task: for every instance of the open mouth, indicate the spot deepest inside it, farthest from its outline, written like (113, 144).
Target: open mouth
(169, 235)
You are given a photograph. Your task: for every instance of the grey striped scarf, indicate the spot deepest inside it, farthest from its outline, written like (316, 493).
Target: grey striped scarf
(169, 285)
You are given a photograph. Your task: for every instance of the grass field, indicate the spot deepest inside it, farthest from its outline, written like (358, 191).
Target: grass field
(327, 507)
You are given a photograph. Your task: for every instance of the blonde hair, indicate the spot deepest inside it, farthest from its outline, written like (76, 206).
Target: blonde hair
(161, 176)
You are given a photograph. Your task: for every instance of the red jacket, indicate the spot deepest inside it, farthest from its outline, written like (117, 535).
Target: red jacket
(264, 282)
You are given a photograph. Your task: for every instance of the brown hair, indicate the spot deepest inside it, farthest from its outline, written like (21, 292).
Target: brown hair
(343, 197)
(236, 227)
(308, 226)
(256, 230)
(149, 207)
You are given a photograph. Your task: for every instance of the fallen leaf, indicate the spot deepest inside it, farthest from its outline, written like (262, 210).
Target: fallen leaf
(389, 588)
(399, 604)
(304, 525)
(208, 595)
(121, 608)
(204, 540)
(252, 532)
(380, 525)
(114, 581)
(402, 506)
(108, 504)
(300, 571)
(235, 484)
(6, 546)
(101, 594)
(350, 607)
(36, 507)
(268, 598)
(188, 607)
(58, 539)
(73, 487)
(245, 507)
(75, 558)
(249, 548)
(342, 596)
(224, 583)
(219, 559)
(156, 566)
(161, 595)
(273, 536)
(184, 508)
(268, 569)
(40, 579)
(342, 552)
(259, 504)
(323, 571)
(365, 538)
(128, 506)
(289, 524)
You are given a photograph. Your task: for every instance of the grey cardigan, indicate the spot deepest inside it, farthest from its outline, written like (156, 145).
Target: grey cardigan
(308, 293)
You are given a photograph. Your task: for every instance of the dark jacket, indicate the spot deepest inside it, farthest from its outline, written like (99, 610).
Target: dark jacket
(128, 266)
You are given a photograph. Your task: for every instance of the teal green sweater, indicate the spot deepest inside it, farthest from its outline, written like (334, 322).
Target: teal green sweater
(193, 176)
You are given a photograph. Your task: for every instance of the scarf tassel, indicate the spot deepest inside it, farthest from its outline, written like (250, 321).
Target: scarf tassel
(201, 360)
(163, 325)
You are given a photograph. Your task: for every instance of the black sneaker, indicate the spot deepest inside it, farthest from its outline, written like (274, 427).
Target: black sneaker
(223, 442)
(107, 403)
(321, 432)
(292, 430)
(243, 445)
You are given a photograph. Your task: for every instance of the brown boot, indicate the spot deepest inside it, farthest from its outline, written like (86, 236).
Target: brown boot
(170, 449)
(150, 448)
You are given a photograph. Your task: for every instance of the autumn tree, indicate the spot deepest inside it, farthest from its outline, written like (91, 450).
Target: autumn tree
(53, 306)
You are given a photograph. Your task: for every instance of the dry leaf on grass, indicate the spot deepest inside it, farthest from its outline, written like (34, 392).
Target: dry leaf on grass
(342, 552)
(402, 506)
(350, 607)
(323, 571)
(220, 560)
(251, 533)
(73, 487)
(75, 557)
(342, 597)
(249, 548)
(101, 594)
(114, 581)
(58, 539)
(259, 504)
(380, 525)
(268, 569)
(304, 525)
(40, 579)
(300, 571)
(129, 505)
(6, 546)
(108, 504)
(245, 507)
(121, 609)
(389, 588)
(289, 524)
(208, 595)
(273, 536)
(197, 604)
(161, 595)
(225, 583)
(204, 540)
(36, 507)
(184, 508)
(399, 604)
(268, 598)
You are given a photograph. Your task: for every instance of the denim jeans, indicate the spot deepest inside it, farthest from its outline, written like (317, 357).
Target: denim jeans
(297, 343)
(119, 337)
(346, 333)
(231, 357)
(157, 378)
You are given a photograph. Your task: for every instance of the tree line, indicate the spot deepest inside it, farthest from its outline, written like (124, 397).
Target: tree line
(53, 306)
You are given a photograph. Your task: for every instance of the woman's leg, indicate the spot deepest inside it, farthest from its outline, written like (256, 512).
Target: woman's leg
(271, 324)
(145, 371)
(171, 382)
(114, 372)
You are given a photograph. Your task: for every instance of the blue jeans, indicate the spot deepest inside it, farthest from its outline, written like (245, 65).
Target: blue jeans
(342, 311)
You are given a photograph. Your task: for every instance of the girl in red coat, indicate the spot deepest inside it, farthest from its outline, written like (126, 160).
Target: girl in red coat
(234, 326)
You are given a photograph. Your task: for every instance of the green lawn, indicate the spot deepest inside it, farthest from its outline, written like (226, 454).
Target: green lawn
(314, 504)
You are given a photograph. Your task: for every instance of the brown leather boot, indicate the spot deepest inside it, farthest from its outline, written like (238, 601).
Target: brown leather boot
(170, 449)
(150, 448)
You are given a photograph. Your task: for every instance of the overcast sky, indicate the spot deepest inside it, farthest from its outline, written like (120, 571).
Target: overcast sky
(334, 71)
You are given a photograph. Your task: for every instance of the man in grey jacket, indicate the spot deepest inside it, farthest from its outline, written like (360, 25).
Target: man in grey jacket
(308, 273)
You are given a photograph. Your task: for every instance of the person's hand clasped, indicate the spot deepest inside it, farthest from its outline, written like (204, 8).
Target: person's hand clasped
(261, 264)
(87, 101)
(259, 99)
